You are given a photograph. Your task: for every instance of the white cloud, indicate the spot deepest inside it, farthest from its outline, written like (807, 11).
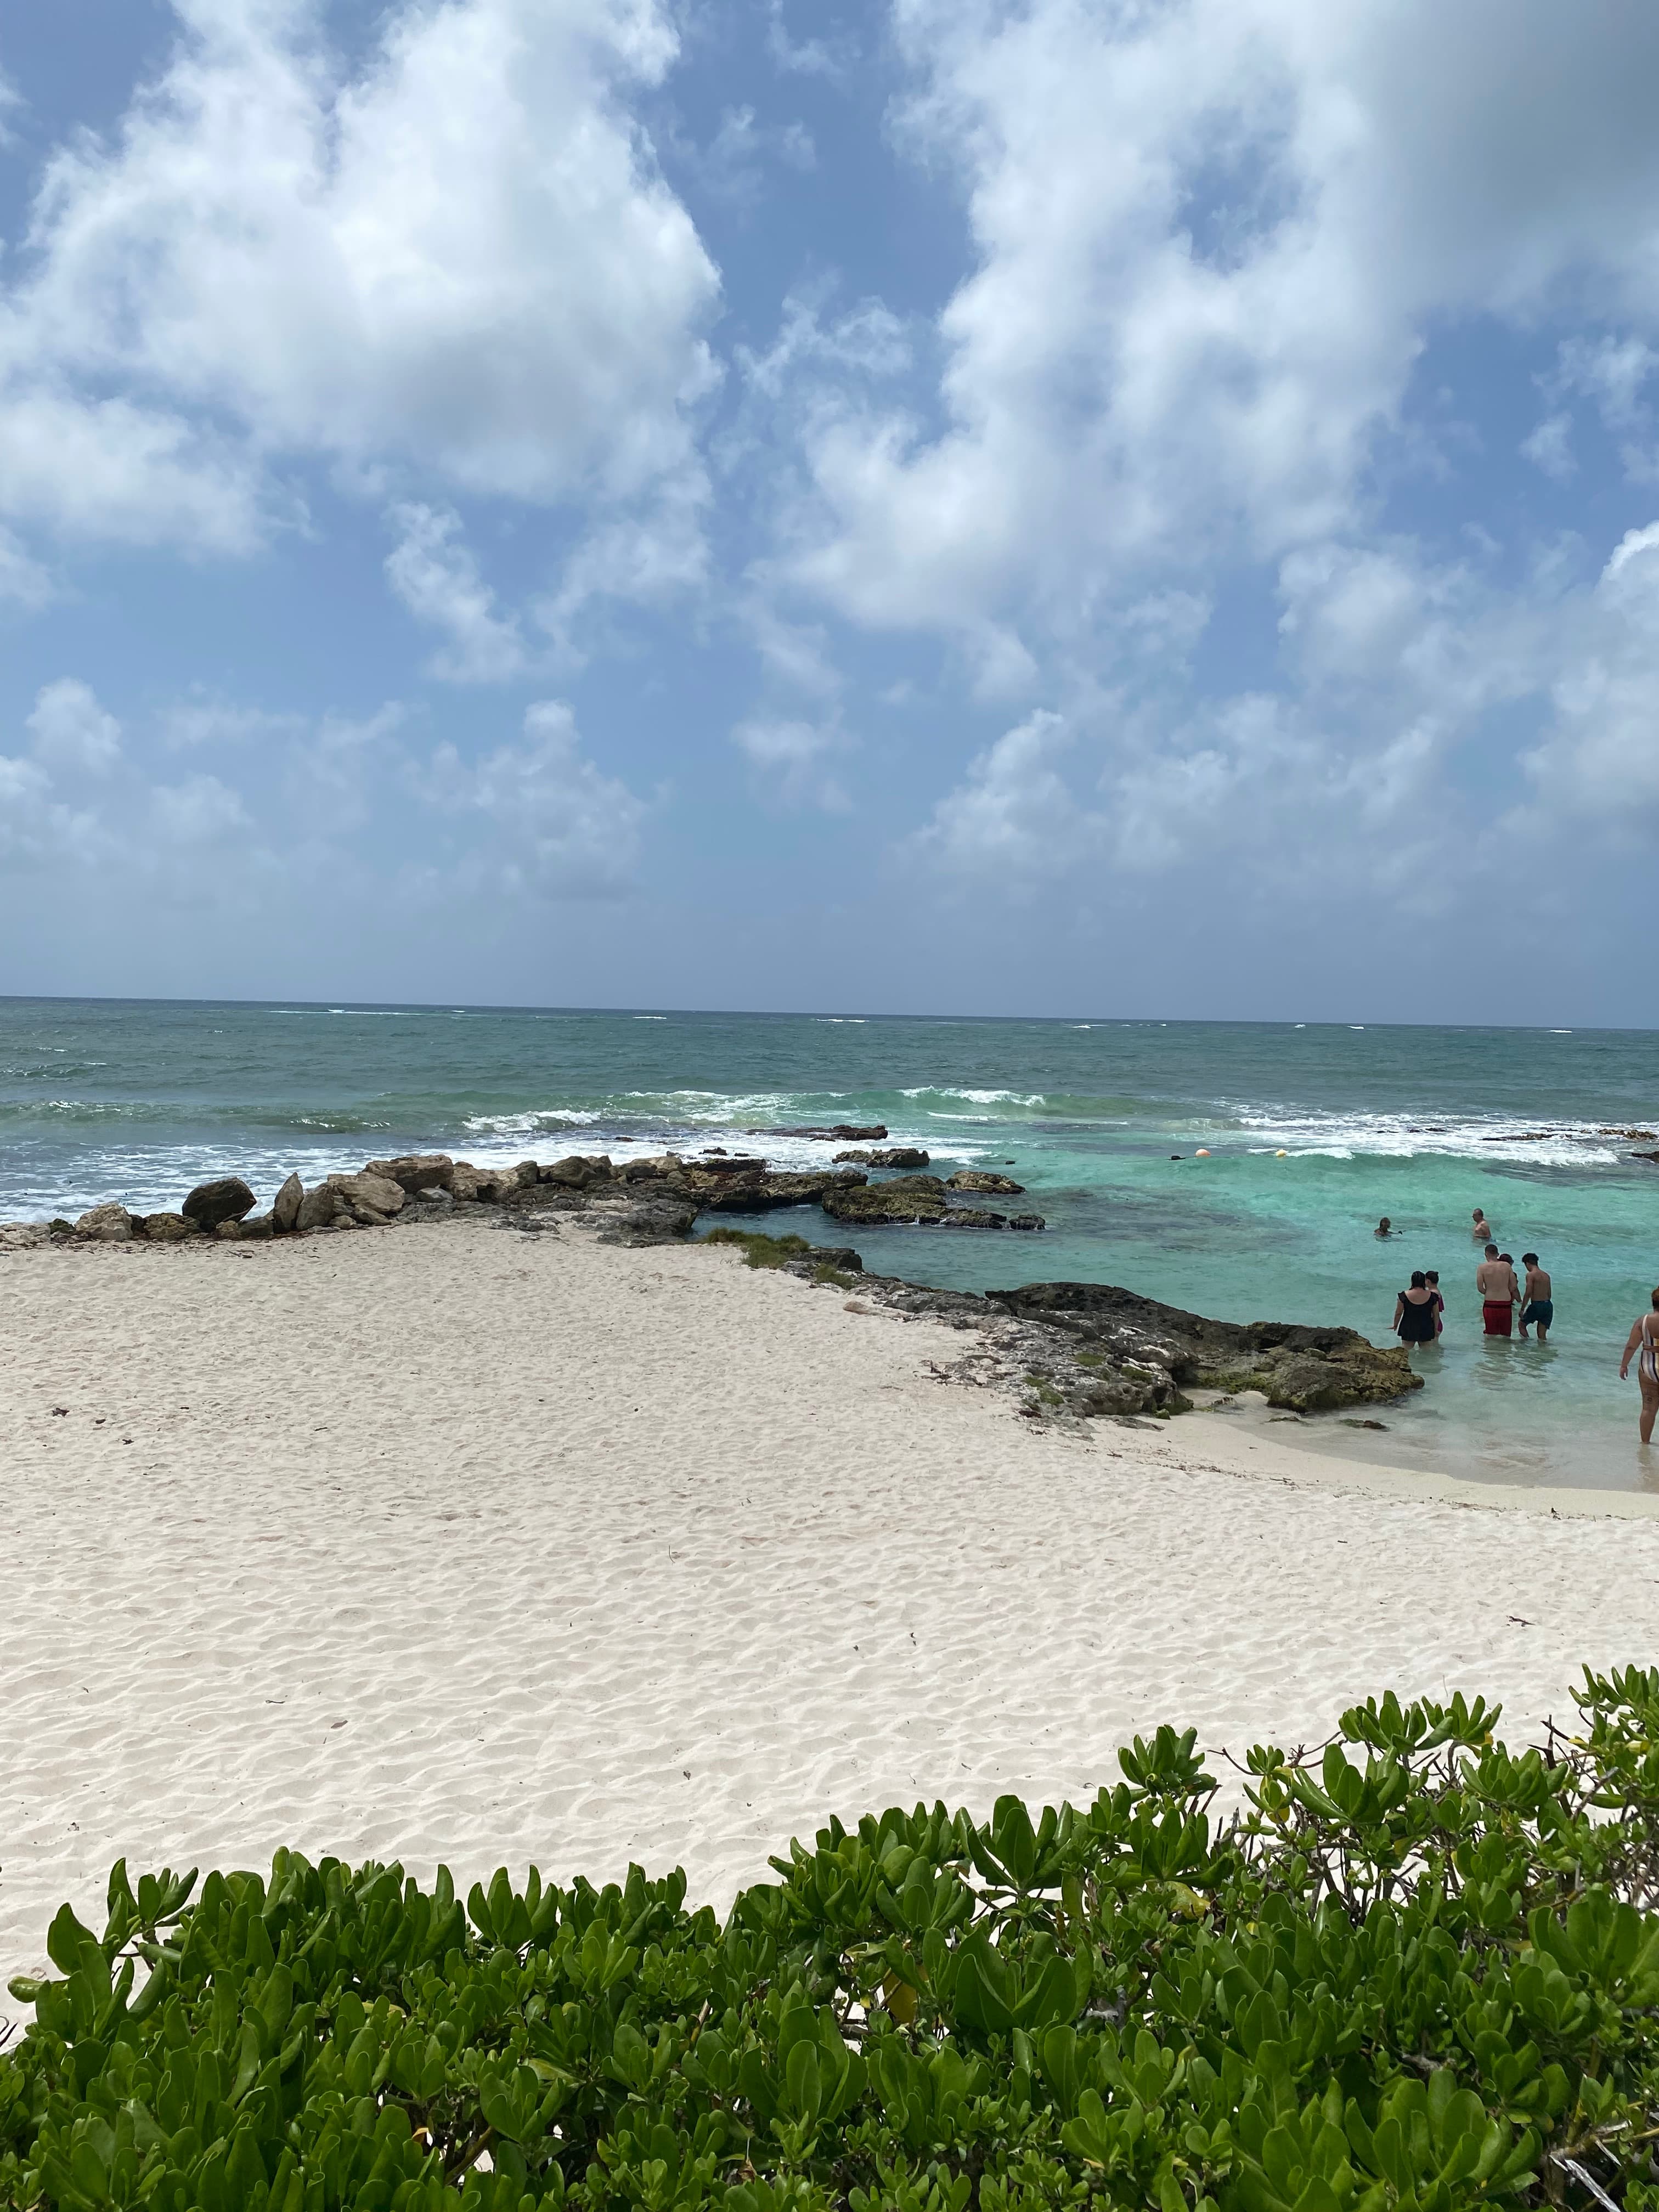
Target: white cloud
(560, 826)
(1209, 240)
(456, 258)
(23, 581)
(435, 574)
(1600, 756)
(791, 755)
(204, 719)
(71, 732)
(199, 810)
(1014, 820)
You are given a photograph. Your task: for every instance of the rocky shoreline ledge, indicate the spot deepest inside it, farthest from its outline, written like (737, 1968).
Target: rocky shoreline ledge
(1069, 1351)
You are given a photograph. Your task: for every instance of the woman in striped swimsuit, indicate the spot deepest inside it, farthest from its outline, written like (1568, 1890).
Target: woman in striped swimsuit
(1644, 1345)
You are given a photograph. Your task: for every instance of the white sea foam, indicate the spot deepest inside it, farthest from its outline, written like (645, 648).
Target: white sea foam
(1402, 1136)
(973, 1097)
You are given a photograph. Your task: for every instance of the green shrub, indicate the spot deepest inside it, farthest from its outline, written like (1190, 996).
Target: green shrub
(759, 1249)
(1420, 1973)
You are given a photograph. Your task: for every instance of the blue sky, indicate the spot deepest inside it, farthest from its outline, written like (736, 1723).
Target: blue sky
(1081, 507)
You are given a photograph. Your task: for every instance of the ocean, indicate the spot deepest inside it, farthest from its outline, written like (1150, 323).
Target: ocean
(1313, 1132)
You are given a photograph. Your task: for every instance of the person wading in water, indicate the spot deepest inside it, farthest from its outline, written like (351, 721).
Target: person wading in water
(1495, 1280)
(1645, 1341)
(1414, 1316)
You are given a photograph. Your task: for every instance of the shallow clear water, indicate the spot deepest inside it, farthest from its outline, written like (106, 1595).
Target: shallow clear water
(137, 1101)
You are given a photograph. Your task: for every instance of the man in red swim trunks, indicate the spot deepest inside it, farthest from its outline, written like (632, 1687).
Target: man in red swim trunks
(1495, 1280)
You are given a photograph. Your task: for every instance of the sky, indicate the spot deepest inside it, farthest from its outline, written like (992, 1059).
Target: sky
(1121, 507)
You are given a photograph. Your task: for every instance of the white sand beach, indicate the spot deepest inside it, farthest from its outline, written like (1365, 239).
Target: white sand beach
(455, 1543)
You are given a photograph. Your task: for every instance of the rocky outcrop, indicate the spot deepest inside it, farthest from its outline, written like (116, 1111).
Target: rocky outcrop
(718, 1193)
(106, 1224)
(892, 1155)
(842, 1134)
(164, 1228)
(982, 1179)
(211, 1203)
(1300, 1369)
(23, 1236)
(285, 1206)
(415, 1172)
(906, 1199)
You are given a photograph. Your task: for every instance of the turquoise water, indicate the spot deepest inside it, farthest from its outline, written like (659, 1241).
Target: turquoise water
(135, 1101)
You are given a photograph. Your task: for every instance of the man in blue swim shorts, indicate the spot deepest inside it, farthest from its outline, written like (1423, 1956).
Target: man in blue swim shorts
(1540, 1308)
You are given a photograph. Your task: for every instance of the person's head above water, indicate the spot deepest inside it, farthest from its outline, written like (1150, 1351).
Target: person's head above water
(1655, 1300)
(1480, 1213)
(1420, 1280)
(1491, 1251)
(1529, 1258)
(1384, 1226)
(1432, 1275)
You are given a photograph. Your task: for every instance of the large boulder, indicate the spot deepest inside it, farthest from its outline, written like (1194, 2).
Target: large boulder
(478, 1186)
(318, 1207)
(416, 1172)
(165, 1228)
(285, 1206)
(23, 1236)
(211, 1203)
(892, 1155)
(573, 1173)
(982, 1179)
(106, 1224)
(369, 1198)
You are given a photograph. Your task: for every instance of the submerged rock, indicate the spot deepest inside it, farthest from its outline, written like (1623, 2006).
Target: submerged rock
(1302, 1370)
(211, 1203)
(842, 1134)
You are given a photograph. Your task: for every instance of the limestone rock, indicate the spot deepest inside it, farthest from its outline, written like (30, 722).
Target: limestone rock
(475, 1186)
(318, 1207)
(842, 1134)
(719, 1193)
(165, 1228)
(654, 1218)
(211, 1203)
(1301, 1370)
(369, 1198)
(892, 1155)
(285, 1206)
(229, 1232)
(982, 1179)
(524, 1177)
(573, 1173)
(106, 1224)
(415, 1172)
(907, 1199)
(257, 1226)
(23, 1236)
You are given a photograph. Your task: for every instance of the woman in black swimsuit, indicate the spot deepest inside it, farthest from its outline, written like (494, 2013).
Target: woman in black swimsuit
(1413, 1311)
